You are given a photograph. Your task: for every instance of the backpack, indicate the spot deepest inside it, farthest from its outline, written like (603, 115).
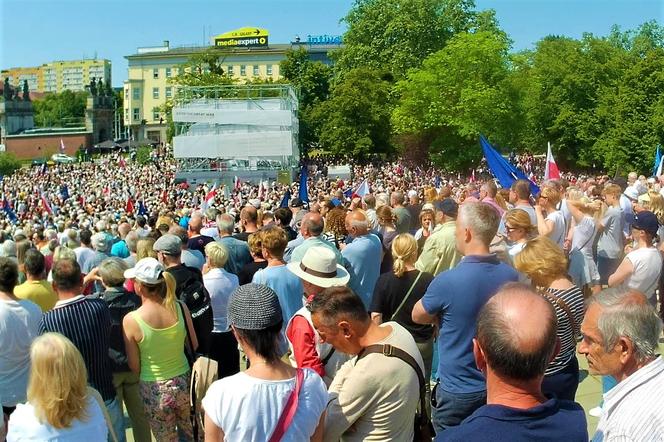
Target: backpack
(195, 296)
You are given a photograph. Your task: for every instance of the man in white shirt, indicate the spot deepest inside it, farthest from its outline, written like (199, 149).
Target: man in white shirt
(620, 333)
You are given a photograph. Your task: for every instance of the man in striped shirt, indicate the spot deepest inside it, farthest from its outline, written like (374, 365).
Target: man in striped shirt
(87, 323)
(620, 339)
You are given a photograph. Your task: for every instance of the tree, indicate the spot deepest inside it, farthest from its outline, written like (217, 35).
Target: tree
(60, 110)
(356, 119)
(398, 35)
(459, 93)
(8, 163)
(312, 80)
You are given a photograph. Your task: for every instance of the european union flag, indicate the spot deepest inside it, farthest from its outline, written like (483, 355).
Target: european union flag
(142, 210)
(8, 211)
(64, 192)
(285, 199)
(304, 193)
(505, 173)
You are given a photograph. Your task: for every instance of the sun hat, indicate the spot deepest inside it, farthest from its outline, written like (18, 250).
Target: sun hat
(254, 307)
(147, 270)
(319, 267)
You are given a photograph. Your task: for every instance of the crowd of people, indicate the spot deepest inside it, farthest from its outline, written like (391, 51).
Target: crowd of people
(417, 305)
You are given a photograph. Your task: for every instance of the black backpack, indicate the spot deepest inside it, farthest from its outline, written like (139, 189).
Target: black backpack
(195, 296)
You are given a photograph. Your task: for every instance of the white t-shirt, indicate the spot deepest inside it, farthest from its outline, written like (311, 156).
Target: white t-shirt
(247, 408)
(647, 263)
(559, 231)
(19, 326)
(220, 285)
(24, 426)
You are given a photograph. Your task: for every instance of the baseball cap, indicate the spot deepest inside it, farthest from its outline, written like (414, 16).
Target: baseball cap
(147, 270)
(296, 202)
(646, 221)
(168, 244)
(448, 206)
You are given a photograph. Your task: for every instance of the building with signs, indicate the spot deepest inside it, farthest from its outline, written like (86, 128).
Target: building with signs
(58, 76)
(245, 54)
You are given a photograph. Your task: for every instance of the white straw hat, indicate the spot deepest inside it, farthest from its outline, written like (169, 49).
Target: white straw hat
(319, 267)
(147, 270)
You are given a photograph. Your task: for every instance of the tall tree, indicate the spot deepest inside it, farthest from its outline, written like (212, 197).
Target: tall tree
(60, 109)
(460, 92)
(398, 35)
(356, 119)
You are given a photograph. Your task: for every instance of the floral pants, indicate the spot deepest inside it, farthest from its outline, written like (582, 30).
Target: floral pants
(167, 407)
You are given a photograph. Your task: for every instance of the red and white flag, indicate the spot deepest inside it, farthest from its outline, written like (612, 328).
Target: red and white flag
(551, 171)
(62, 146)
(363, 189)
(130, 205)
(236, 183)
(46, 204)
(121, 162)
(209, 197)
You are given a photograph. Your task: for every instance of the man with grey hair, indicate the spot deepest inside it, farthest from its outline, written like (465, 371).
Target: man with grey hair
(369, 206)
(362, 256)
(516, 340)
(403, 219)
(132, 241)
(620, 339)
(190, 258)
(311, 230)
(238, 250)
(452, 302)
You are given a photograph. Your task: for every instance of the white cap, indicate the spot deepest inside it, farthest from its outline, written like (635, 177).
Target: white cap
(147, 270)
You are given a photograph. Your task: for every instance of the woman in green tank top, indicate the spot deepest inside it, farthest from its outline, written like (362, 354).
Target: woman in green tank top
(155, 335)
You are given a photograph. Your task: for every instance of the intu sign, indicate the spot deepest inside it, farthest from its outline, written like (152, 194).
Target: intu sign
(324, 39)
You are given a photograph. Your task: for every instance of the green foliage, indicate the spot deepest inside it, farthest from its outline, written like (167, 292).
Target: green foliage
(143, 154)
(203, 69)
(356, 118)
(312, 81)
(460, 92)
(8, 163)
(399, 34)
(65, 109)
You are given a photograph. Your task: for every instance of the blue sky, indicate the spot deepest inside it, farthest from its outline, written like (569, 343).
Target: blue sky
(38, 31)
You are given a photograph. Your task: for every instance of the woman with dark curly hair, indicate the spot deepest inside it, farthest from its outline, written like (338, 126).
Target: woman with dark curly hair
(335, 226)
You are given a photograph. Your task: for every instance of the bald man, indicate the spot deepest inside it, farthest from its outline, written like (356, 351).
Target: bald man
(516, 340)
(311, 230)
(120, 248)
(196, 240)
(362, 256)
(248, 223)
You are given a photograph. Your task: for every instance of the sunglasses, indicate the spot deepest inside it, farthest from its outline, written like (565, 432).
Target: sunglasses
(509, 229)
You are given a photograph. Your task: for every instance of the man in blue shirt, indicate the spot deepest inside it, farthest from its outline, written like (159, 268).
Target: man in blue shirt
(452, 302)
(238, 251)
(362, 257)
(516, 340)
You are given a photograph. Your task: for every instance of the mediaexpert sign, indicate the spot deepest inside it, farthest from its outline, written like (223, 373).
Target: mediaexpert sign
(243, 37)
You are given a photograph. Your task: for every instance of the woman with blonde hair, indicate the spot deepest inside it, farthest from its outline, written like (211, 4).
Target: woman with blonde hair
(60, 404)
(582, 266)
(550, 220)
(428, 224)
(155, 336)
(518, 230)
(388, 231)
(396, 293)
(545, 264)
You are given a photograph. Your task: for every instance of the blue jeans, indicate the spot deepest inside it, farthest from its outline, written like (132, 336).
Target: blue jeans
(452, 408)
(117, 420)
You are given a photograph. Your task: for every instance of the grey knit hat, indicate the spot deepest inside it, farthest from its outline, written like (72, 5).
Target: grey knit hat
(254, 307)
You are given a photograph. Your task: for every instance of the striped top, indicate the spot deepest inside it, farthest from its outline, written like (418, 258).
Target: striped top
(632, 409)
(87, 323)
(573, 297)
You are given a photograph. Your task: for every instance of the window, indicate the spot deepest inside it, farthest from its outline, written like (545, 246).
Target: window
(155, 73)
(136, 93)
(269, 69)
(230, 70)
(155, 93)
(168, 72)
(243, 70)
(137, 114)
(256, 72)
(127, 94)
(155, 115)
(169, 92)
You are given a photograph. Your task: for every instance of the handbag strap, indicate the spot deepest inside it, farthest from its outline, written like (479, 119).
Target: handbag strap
(563, 305)
(405, 298)
(186, 329)
(396, 352)
(95, 394)
(289, 410)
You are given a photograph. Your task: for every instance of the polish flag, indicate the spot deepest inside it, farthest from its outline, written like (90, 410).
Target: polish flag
(236, 183)
(551, 171)
(46, 204)
(209, 197)
(363, 189)
(62, 146)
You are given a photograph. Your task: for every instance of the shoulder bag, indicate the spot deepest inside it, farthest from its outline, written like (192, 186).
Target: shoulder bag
(423, 429)
(289, 410)
(563, 305)
(410, 290)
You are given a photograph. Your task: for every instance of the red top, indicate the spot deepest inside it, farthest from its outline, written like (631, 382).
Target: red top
(303, 339)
